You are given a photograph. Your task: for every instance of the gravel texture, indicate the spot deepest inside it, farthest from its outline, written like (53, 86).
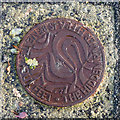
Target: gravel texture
(18, 18)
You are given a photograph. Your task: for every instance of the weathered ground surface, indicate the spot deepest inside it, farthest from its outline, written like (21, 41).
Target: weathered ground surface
(100, 18)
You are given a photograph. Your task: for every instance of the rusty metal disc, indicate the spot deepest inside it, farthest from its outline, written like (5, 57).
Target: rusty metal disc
(70, 62)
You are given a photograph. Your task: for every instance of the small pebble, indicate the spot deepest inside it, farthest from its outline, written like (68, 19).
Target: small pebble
(14, 51)
(20, 103)
(66, 8)
(16, 38)
(15, 31)
(71, 14)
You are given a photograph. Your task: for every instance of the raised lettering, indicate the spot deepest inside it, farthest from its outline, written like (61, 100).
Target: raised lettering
(83, 90)
(72, 27)
(91, 83)
(44, 95)
(29, 78)
(67, 25)
(81, 31)
(72, 97)
(77, 29)
(94, 77)
(29, 41)
(35, 90)
(34, 35)
(58, 25)
(40, 93)
(41, 29)
(78, 94)
(97, 71)
(97, 57)
(89, 86)
(51, 26)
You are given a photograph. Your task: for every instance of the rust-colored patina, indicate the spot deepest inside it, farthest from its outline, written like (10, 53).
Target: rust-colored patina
(70, 62)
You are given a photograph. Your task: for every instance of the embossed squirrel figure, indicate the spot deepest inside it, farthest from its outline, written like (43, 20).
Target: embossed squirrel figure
(63, 57)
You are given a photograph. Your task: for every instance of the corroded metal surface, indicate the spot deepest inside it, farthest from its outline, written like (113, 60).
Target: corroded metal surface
(71, 62)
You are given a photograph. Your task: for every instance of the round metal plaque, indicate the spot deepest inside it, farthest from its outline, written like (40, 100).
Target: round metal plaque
(70, 62)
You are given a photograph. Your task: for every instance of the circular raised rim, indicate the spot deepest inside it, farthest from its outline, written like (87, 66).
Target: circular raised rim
(72, 103)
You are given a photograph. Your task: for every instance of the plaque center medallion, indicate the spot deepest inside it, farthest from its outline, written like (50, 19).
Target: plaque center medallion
(70, 62)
